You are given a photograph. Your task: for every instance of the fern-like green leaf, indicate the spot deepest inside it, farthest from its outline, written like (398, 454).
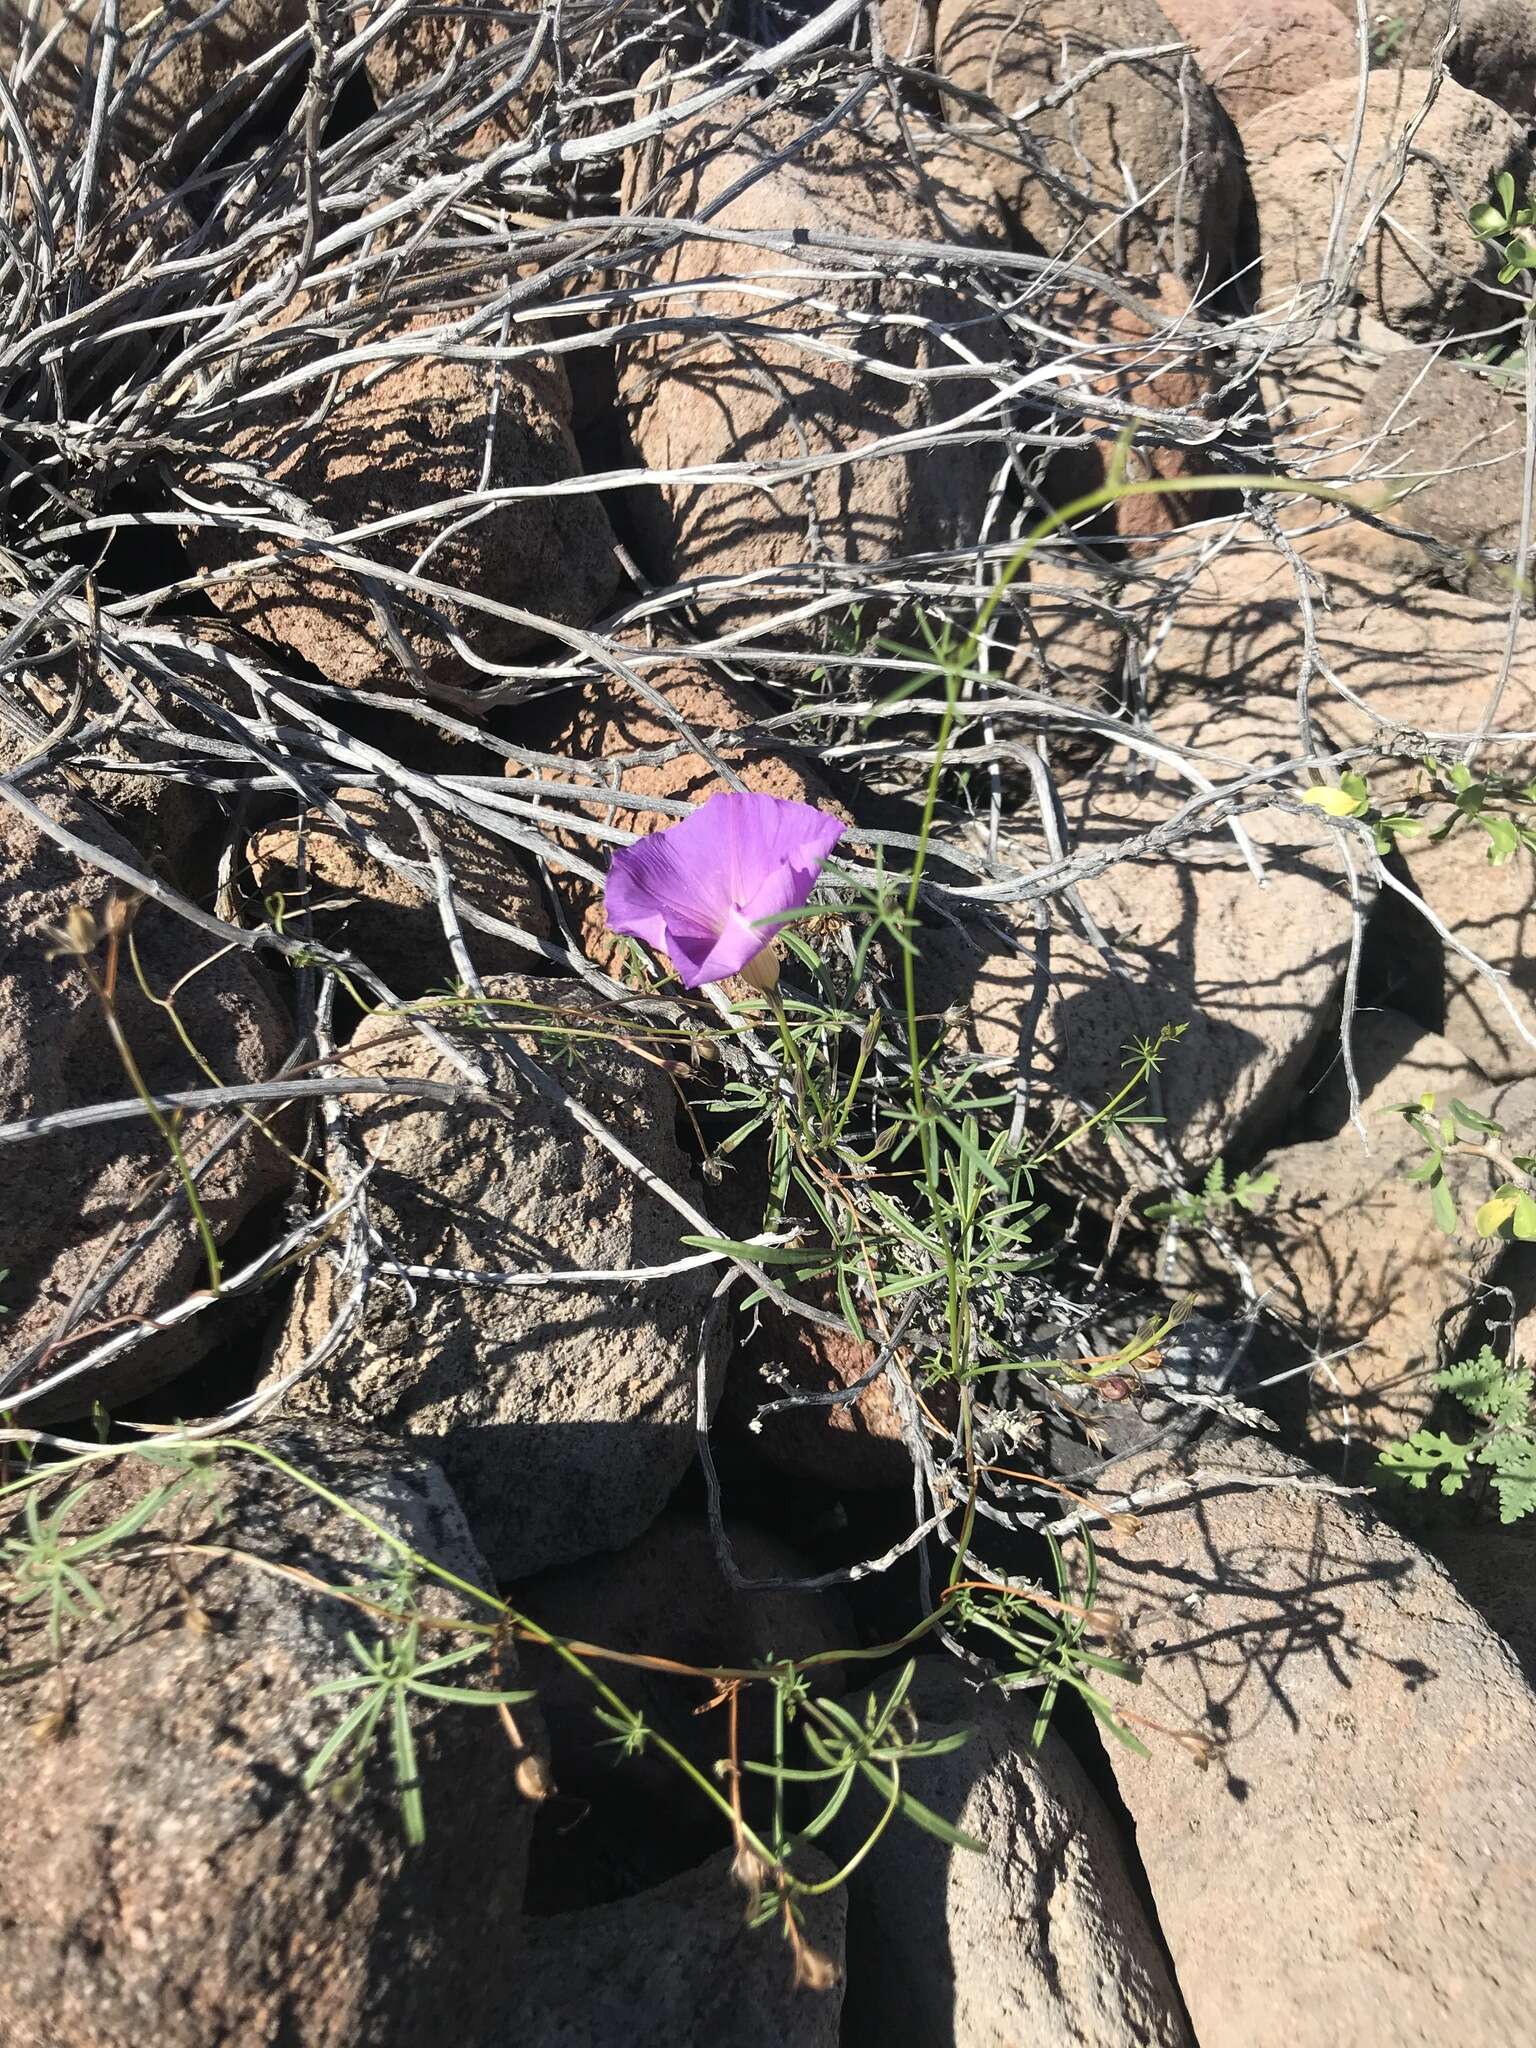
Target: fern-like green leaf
(1250, 1189)
(1487, 1387)
(1511, 1456)
(1426, 1455)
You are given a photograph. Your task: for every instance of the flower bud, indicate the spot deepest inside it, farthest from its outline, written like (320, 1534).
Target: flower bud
(762, 971)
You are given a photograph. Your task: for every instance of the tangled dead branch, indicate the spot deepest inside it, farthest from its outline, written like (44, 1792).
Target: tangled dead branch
(234, 574)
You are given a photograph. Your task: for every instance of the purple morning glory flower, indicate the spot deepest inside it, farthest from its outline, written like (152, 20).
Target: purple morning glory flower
(706, 891)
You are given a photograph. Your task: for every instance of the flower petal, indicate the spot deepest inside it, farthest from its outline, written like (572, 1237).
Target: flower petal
(654, 889)
(698, 890)
(757, 836)
(787, 887)
(725, 953)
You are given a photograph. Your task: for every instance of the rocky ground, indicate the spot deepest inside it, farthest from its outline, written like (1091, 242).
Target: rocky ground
(517, 1475)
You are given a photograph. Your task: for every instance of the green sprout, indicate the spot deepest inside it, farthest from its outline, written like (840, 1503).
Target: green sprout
(1216, 1198)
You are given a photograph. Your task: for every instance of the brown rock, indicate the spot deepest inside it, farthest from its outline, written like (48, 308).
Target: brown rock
(1195, 941)
(187, 54)
(616, 740)
(405, 438)
(1348, 1250)
(1493, 51)
(1040, 1938)
(1490, 909)
(1453, 443)
(387, 912)
(677, 1967)
(1247, 973)
(1250, 971)
(161, 816)
(763, 383)
(432, 45)
(1150, 125)
(1312, 392)
(169, 689)
(200, 1893)
(131, 227)
(1412, 677)
(1075, 649)
(1255, 53)
(1495, 1570)
(420, 48)
(1142, 363)
(89, 1251)
(1422, 264)
(856, 1444)
(563, 1414)
(1373, 1765)
(1409, 673)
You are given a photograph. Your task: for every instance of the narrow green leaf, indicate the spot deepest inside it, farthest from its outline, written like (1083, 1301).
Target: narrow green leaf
(943, 1830)
(469, 1695)
(758, 1254)
(407, 1774)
